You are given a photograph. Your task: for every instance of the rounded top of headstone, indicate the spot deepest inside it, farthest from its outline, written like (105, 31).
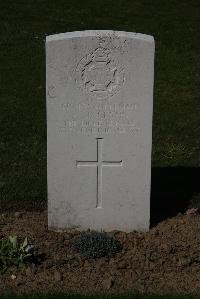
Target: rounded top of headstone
(91, 33)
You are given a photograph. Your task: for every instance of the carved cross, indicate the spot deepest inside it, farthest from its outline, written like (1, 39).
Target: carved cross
(99, 164)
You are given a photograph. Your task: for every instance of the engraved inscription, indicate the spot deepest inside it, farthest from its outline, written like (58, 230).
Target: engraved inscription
(99, 164)
(99, 74)
(94, 118)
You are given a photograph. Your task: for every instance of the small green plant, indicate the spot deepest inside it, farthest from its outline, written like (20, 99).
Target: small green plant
(95, 244)
(195, 201)
(14, 253)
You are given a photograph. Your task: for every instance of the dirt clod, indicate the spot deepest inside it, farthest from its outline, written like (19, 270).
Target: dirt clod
(57, 276)
(107, 283)
(18, 214)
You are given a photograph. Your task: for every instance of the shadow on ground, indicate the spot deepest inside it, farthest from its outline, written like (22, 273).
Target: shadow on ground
(171, 191)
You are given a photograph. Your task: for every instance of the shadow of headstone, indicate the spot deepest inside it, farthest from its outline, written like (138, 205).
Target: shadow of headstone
(171, 191)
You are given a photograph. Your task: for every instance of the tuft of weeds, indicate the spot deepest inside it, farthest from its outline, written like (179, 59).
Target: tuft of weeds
(14, 253)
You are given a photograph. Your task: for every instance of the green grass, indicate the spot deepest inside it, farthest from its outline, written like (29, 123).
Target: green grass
(73, 295)
(23, 27)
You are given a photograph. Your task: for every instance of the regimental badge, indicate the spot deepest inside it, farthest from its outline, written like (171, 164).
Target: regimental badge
(99, 74)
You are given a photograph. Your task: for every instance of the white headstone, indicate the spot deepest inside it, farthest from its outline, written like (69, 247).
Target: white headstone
(99, 129)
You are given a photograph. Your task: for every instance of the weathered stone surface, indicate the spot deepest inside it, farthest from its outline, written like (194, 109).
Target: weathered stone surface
(99, 94)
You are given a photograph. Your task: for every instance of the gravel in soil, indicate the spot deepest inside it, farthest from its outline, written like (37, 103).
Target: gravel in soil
(165, 259)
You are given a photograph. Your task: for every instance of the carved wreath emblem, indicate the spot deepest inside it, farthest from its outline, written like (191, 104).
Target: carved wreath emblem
(99, 74)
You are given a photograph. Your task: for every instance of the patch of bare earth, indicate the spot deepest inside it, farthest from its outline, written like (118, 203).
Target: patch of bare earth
(165, 259)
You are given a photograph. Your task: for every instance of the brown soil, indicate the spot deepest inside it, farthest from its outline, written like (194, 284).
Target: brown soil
(165, 259)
